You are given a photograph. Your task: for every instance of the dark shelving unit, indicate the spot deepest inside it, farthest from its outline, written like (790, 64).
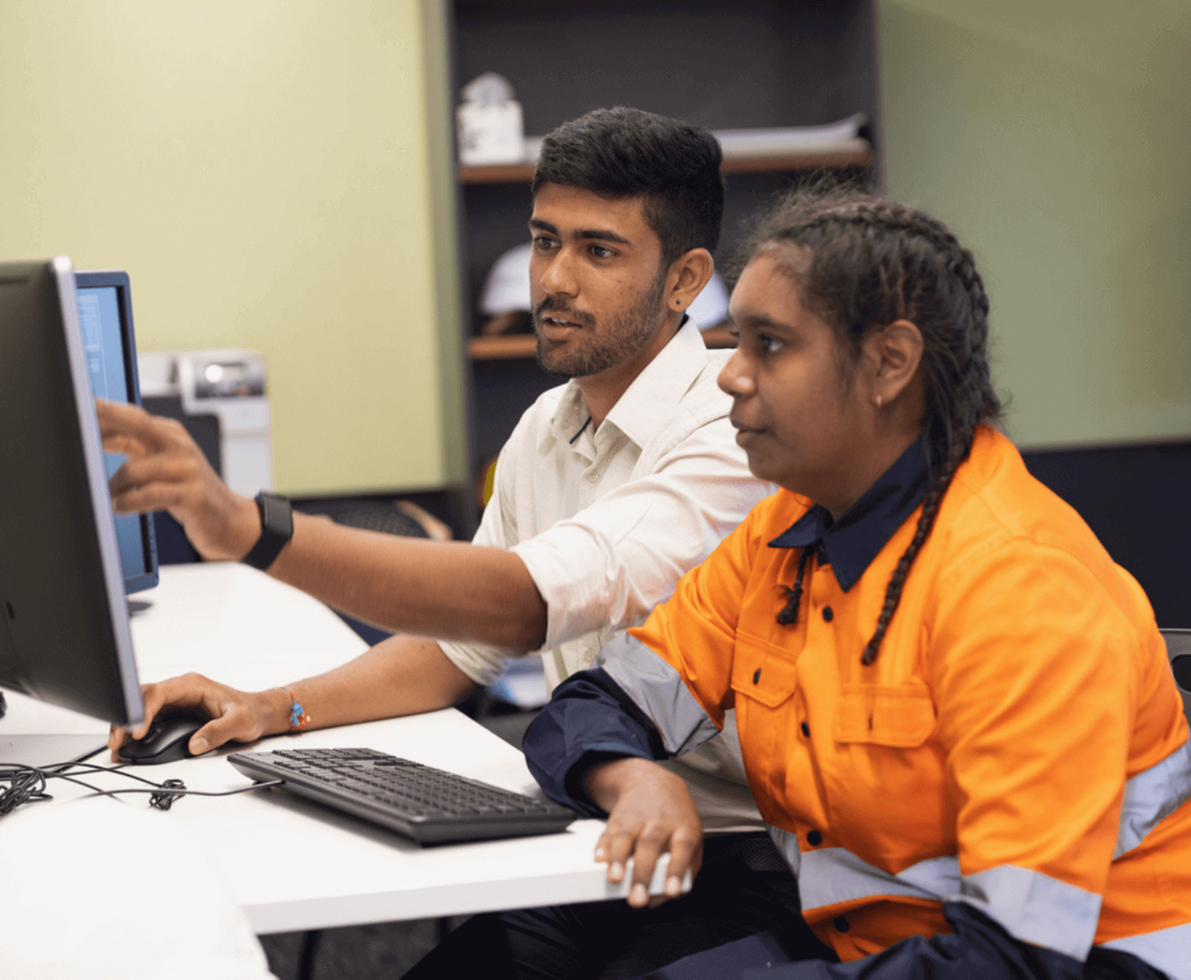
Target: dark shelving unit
(750, 64)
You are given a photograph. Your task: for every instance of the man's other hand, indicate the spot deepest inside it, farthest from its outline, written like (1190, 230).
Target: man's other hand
(236, 716)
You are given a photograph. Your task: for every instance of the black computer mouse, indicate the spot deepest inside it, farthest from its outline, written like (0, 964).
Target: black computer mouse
(167, 739)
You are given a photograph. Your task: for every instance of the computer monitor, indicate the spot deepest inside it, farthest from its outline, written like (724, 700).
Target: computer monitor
(64, 620)
(109, 345)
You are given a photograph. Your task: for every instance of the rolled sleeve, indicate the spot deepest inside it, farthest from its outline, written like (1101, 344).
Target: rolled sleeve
(588, 720)
(609, 565)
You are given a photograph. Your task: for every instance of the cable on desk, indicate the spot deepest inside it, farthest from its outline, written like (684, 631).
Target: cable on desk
(20, 784)
(27, 784)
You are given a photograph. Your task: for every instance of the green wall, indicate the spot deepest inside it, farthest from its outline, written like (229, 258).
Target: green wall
(275, 175)
(1054, 136)
(263, 169)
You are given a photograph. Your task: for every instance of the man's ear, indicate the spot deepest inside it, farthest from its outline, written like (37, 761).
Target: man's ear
(895, 353)
(688, 274)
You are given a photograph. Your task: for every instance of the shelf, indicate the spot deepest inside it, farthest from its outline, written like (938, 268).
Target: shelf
(783, 162)
(517, 345)
(512, 173)
(522, 173)
(502, 347)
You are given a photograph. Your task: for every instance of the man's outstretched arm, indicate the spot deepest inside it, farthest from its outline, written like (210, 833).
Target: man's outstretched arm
(448, 590)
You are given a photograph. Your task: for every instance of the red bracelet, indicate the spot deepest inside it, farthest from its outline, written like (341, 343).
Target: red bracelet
(298, 719)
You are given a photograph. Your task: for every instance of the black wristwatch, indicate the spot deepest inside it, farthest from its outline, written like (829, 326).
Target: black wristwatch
(277, 527)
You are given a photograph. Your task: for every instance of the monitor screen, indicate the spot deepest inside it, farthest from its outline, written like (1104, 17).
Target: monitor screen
(64, 621)
(105, 318)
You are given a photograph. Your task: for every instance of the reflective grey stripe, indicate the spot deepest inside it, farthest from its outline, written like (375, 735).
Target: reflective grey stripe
(1032, 906)
(833, 874)
(1152, 796)
(1035, 908)
(658, 690)
(787, 846)
(1169, 950)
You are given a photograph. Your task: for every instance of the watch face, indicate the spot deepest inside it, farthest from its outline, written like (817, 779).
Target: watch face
(277, 527)
(277, 514)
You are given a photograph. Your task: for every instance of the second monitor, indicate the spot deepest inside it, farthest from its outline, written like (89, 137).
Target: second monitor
(109, 345)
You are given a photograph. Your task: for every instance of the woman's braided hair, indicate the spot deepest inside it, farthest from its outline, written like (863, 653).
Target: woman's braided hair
(861, 262)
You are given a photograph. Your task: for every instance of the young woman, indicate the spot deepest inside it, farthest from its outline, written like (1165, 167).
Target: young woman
(956, 712)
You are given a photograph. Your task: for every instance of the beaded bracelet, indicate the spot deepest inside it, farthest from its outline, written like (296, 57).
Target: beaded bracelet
(298, 718)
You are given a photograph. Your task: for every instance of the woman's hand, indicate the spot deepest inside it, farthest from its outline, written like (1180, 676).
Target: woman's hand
(236, 716)
(650, 811)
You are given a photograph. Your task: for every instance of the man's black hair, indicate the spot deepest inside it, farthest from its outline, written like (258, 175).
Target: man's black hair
(625, 152)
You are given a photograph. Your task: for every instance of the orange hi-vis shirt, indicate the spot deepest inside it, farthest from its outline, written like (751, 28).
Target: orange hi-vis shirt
(1018, 744)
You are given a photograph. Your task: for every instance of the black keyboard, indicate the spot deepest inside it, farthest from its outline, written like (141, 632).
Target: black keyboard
(430, 805)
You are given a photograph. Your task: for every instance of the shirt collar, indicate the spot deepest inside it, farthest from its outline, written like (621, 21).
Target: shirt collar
(851, 543)
(649, 401)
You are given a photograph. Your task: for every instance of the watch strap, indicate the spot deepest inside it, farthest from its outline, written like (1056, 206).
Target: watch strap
(277, 527)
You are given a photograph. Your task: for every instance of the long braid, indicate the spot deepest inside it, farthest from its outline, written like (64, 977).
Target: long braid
(872, 262)
(893, 591)
(789, 614)
(969, 407)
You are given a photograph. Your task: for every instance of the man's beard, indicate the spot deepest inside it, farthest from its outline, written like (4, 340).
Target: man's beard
(624, 335)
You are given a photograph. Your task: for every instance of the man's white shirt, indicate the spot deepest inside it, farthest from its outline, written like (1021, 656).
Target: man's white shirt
(607, 521)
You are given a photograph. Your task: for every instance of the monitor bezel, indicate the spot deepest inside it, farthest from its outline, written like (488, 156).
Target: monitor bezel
(50, 622)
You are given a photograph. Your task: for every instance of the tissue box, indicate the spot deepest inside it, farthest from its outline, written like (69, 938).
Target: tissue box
(490, 133)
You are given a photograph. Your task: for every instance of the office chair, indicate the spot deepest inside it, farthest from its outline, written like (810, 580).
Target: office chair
(1178, 649)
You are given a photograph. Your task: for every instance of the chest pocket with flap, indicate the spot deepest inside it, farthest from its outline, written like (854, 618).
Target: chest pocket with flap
(762, 672)
(896, 715)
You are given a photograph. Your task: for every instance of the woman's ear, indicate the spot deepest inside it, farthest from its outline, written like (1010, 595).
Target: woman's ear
(689, 273)
(895, 351)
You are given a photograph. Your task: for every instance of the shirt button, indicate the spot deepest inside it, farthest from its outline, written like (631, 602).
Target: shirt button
(814, 838)
(589, 655)
(757, 676)
(591, 476)
(806, 729)
(842, 924)
(828, 615)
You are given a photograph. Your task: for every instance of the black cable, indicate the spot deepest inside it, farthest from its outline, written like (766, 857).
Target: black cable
(164, 795)
(171, 789)
(24, 786)
(27, 784)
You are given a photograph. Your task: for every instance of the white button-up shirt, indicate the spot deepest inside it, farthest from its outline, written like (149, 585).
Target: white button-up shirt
(608, 521)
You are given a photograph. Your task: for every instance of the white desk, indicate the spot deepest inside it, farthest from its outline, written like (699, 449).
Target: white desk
(289, 864)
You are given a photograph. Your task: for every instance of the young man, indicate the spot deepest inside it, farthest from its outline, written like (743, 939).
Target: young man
(609, 489)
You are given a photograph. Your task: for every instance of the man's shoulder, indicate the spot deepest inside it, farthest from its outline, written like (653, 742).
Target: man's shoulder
(702, 401)
(705, 393)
